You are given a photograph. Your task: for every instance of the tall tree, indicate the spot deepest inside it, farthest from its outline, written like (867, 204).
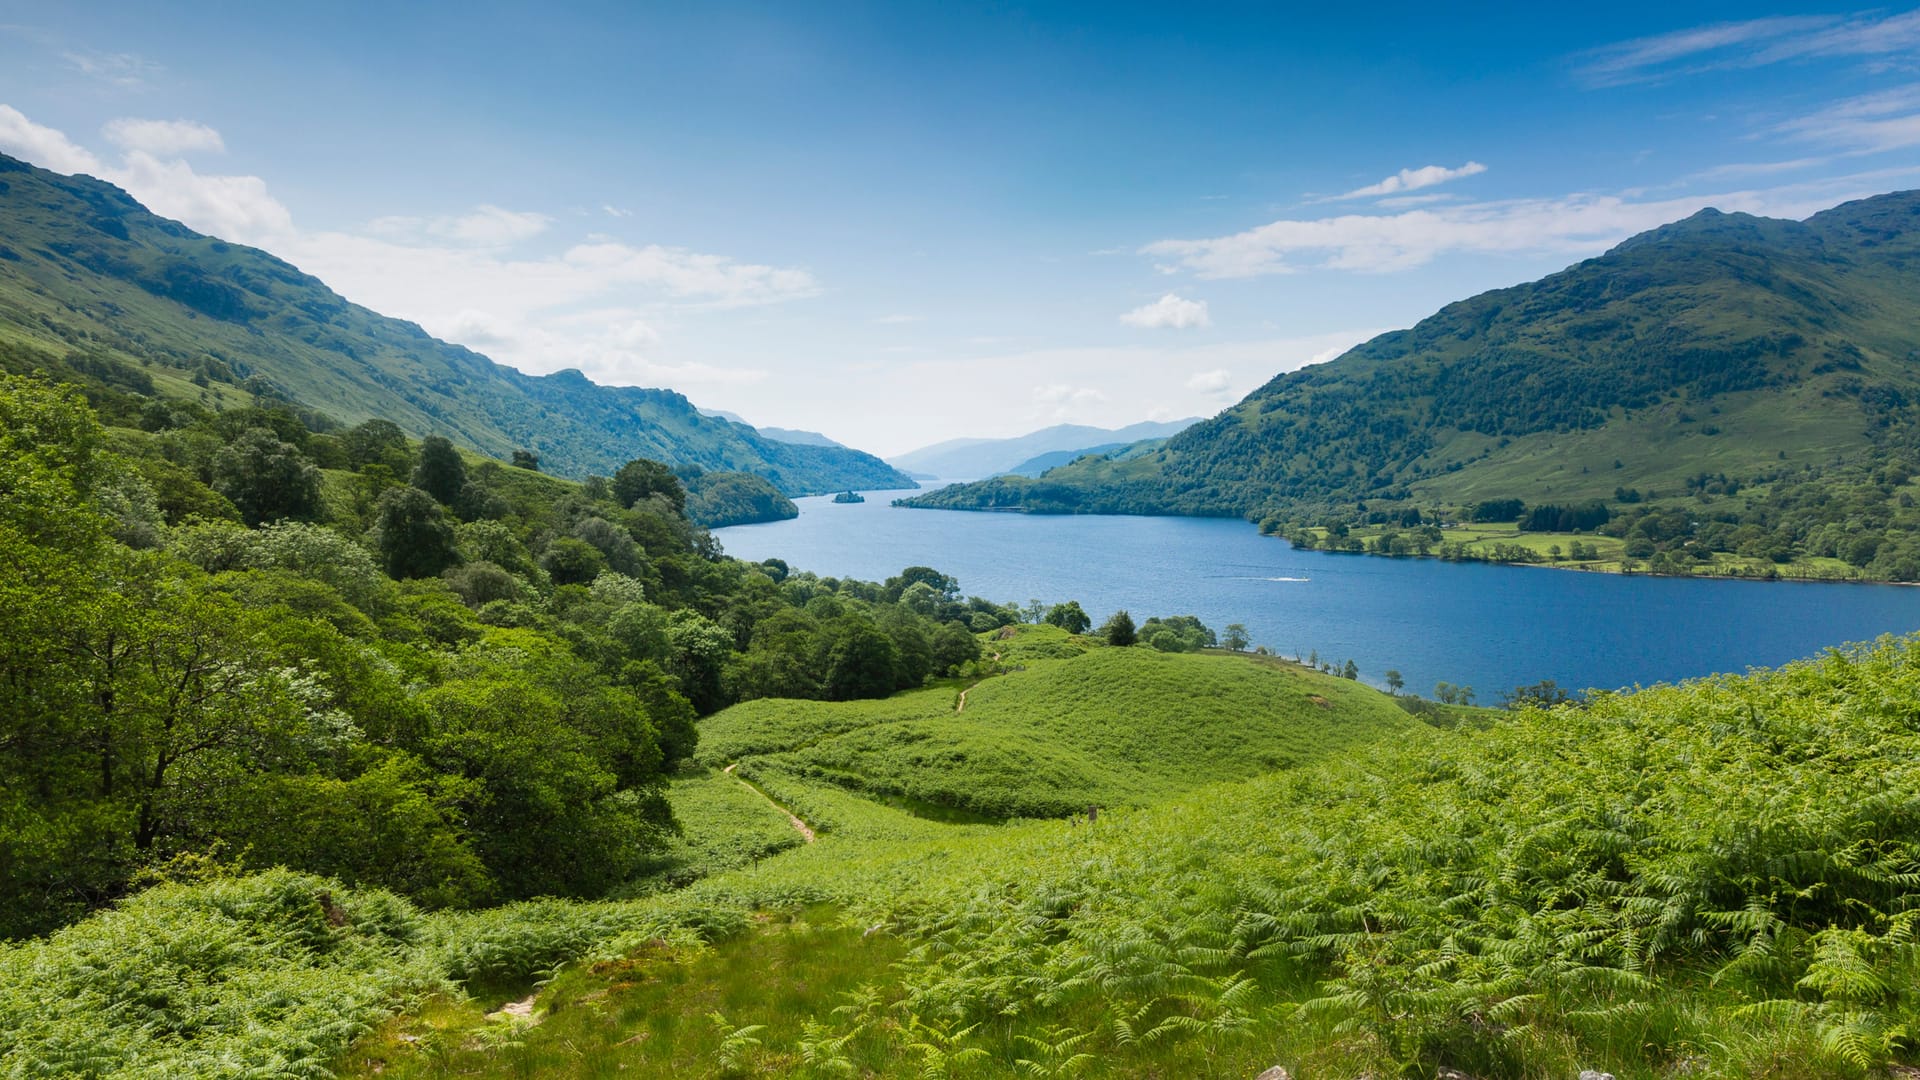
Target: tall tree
(1070, 617)
(440, 472)
(642, 477)
(412, 534)
(266, 479)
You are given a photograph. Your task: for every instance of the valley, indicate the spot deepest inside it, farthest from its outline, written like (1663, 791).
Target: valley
(375, 706)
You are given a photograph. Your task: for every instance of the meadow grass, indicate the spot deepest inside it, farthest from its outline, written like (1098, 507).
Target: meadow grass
(724, 825)
(1707, 880)
(1108, 727)
(1711, 880)
(1481, 538)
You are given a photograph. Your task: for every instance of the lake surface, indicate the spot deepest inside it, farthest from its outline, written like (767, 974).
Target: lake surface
(1474, 624)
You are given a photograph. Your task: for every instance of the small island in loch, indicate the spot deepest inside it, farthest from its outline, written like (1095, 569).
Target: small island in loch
(849, 497)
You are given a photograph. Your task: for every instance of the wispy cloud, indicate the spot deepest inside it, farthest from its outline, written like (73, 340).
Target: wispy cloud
(1401, 202)
(485, 226)
(1757, 168)
(1572, 225)
(896, 319)
(1170, 312)
(1060, 401)
(1412, 180)
(125, 71)
(1748, 43)
(1867, 124)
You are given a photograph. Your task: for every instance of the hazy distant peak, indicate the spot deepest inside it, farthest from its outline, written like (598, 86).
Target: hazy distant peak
(971, 458)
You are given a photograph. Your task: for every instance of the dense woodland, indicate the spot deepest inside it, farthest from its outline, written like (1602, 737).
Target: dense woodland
(254, 633)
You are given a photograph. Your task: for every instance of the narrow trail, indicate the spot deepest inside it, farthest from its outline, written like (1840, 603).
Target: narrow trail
(805, 831)
(961, 705)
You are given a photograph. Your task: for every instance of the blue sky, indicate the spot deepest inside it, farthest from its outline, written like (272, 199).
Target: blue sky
(904, 223)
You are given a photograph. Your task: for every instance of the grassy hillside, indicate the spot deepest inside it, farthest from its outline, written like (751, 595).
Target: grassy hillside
(1113, 727)
(1768, 361)
(1710, 880)
(88, 275)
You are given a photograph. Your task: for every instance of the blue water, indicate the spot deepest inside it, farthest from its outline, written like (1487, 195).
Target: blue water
(1489, 627)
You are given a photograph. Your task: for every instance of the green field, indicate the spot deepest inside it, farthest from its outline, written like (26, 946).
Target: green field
(1482, 540)
(1113, 727)
(1711, 880)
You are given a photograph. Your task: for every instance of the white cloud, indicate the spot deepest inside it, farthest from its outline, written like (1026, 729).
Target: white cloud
(1572, 225)
(1060, 402)
(485, 226)
(231, 207)
(1747, 44)
(896, 320)
(234, 208)
(1414, 179)
(616, 211)
(43, 146)
(1215, 383)
(1169, 312)
(451, 274)
(163, 137)
(715, 279)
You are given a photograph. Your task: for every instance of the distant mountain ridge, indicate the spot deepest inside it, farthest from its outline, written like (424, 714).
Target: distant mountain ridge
(86, 270)
(799, 438)
(1749, 349)
(973, 458)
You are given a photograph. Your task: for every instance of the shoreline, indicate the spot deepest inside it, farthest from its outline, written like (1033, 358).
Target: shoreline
(1544, 564)
(1582, 568)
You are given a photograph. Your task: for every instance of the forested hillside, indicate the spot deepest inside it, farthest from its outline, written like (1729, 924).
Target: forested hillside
(1728, 371)
(90, 279)
(227, 635)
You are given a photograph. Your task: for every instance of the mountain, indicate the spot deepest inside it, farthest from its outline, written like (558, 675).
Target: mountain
(1725, 354)
(1053, 459)
(989, 457)
(799, 438)
(1117, 451)
(89, 277)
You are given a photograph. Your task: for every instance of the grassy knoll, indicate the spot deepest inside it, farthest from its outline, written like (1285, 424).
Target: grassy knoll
(1109, 727)
(1711, 880)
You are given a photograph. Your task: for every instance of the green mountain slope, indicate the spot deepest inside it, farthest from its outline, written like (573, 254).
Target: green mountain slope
(1760, 349)
(86, 269)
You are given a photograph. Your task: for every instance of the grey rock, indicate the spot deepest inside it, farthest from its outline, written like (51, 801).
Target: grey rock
(1594, 1074)
(1278, 1072)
